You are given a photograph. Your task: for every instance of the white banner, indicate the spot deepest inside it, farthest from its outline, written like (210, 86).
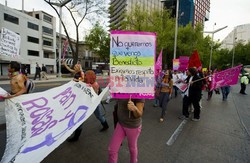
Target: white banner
(38, 123)
(9, 43)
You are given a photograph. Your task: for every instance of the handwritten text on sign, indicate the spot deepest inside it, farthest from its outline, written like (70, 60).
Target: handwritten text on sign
(9, 43)
(38, 123)
(132, 62)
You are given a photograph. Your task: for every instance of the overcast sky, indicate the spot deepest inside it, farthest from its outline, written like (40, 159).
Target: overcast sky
(223, 12)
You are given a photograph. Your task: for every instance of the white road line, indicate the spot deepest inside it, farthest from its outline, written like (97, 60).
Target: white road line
(176, 133)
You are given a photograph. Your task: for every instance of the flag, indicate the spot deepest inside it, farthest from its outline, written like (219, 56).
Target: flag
(226, 77)
(65, 46)
(158, 64)
(195, 61)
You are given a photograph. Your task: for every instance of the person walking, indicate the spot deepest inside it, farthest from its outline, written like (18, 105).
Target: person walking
(165, 94)
(225, 92)
(129, 113)
(243, 83)
(44, 72)
(192, 95)
(17, 81)
(175, 80)
(38, 72)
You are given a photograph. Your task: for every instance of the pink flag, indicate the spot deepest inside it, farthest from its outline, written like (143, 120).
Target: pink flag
(65, 46)
(158, 64)
(226, 77)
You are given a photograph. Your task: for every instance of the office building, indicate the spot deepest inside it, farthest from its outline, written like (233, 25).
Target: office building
(240, 34)
(37, 30)
(119, 7)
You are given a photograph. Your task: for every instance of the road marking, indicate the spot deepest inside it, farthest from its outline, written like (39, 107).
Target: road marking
(176, 133)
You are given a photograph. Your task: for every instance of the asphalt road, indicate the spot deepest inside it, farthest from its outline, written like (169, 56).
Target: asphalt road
(222, 135)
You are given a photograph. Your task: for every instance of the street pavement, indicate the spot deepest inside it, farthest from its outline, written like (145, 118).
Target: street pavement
(222, 135)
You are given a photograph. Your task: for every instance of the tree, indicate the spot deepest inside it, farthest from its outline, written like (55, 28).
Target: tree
(99, 42)
(80, 10)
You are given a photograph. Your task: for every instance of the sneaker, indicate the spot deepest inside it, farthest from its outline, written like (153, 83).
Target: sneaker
(195, 119)
(161, 119)
(155, 105)
(183, 117)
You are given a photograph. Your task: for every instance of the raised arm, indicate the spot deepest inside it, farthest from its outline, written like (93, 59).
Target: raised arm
(67, 67)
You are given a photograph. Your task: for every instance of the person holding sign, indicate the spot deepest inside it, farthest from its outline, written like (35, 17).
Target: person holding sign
(129, 113)
(17, 81)
(165, 93)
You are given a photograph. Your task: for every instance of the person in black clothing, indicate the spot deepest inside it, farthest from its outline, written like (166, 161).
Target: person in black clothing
(192, 95)
(38, 72)
(44, 72)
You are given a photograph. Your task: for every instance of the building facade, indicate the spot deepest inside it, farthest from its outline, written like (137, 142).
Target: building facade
(37, 30)
(201, 11)
(119, 7)
(240, 34)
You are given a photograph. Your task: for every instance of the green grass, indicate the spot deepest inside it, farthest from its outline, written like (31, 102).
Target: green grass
(146, 61)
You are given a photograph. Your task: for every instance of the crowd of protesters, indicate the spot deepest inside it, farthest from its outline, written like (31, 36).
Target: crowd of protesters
(128, 113)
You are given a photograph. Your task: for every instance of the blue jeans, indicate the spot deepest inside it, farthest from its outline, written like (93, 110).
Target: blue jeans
(164, 98)
(98, 114)
(225, 91)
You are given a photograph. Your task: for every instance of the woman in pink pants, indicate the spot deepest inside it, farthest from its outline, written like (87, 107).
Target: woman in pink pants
(129, 114)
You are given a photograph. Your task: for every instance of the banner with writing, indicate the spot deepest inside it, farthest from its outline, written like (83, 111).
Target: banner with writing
(38, 123)
(158, 65)
(226, 77)
(183, 63)
(9, 43)
(132, 59)
(176, 64)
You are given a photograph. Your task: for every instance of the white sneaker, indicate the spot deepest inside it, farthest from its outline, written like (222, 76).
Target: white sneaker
(195, 119)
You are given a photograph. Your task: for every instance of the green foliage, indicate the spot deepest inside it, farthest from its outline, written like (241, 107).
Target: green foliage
(99, 42)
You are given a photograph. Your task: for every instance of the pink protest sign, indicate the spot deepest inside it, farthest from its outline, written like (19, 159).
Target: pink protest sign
(226, 77)
(183, 63)
(132, 64)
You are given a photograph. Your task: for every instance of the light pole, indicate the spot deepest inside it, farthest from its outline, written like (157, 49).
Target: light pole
(176, 26)
(211, 50)
(60, 5)
(234, 38)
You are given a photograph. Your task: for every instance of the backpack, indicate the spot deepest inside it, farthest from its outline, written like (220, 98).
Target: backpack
(30, 85)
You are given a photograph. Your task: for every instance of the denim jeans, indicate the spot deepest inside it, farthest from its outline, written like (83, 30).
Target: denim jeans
(98, 114)
(225, 91)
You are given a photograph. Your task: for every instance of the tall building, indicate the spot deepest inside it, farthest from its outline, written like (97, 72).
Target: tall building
(190, 11)
(201, 11)
(240, 34)
(119, 7)
(38, 38)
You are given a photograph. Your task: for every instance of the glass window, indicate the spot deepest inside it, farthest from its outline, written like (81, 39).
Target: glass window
(33, 39)
(33, 26)
(47, 42)
(11, 18)
(47, 18)
(33, 53)
(48, 30)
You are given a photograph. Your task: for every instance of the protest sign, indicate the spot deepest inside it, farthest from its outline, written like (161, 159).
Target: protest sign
(9, 43)
(38, 123)
(183, 63)
(65, 47)
(182, 86)
(176, 64)
(226, 77)
(132, 58)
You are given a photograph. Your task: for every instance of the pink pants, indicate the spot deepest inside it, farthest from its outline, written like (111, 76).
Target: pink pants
(116, 141)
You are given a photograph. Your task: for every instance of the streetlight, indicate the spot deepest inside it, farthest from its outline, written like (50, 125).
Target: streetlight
(234, 38)
(176, 25)
(60, 5)
(211, 51)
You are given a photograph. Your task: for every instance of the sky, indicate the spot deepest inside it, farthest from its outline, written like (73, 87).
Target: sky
(229, 13)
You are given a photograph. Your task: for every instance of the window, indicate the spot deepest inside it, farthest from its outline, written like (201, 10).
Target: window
(11, 18)
(46, 54)
(48, 30)
(33, 53)
(47, 18)
(33, 26)
(37, 16)
(33, 39)
(47, 42)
